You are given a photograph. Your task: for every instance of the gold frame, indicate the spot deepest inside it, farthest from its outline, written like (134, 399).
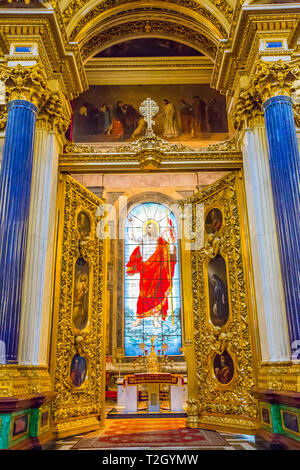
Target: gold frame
(266, 406)
(282, 422)
(15, 438)
(47, 426)
(206, 263)
(78, 409)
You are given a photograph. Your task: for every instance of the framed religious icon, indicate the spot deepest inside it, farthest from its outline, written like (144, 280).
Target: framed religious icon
(218, 291)
(213, 221)
(81, 294)
(78, 370)
(83, 225)
(223, 368)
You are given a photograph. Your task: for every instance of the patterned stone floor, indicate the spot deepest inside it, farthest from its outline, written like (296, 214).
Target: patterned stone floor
(235, 442)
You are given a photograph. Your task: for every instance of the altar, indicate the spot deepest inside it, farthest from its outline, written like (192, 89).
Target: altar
(152, 392)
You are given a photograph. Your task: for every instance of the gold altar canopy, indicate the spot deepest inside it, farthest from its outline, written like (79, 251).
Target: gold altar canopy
(78, 339)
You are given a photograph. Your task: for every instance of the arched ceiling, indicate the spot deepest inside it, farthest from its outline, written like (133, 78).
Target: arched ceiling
(96, 25)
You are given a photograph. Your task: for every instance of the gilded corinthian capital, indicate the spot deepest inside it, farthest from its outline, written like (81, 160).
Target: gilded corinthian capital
(52, 116)
(270, 79)
(274, 78)
(25, 83)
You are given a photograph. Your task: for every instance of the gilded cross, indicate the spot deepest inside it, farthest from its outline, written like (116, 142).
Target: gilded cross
(149, 109)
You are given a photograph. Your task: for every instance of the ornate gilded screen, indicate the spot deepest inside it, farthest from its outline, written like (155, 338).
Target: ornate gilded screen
(221, 311)
(78, 344)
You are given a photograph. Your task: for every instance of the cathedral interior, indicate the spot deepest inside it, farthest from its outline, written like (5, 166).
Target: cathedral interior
(149, 223)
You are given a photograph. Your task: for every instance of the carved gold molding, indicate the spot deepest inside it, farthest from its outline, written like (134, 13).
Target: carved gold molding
(280, 377)
(102, 7)
(24, 380)
(151, 153)
(134, 28)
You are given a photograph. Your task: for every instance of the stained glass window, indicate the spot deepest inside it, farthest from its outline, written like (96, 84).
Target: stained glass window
(152, 280)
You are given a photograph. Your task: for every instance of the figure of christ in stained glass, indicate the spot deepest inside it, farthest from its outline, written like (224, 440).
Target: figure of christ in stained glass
(152, 289)
(154, 259)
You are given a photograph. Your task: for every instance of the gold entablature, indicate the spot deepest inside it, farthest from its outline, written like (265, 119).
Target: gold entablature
(242, 47)
(149, 27)
(190, 6)
(79, 406)
(231, 405)
(270, 79)
(61, 59)
(151, 153)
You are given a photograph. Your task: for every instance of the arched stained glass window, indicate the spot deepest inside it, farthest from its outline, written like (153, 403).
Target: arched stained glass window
(152, 280)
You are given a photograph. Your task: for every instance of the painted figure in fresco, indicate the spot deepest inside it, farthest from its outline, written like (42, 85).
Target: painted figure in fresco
(170, 119)
(214, 116)
(224, 370)
(80, 300)
(219, 311)
(104, 119)
(78, 370)
(140, 130)
(130, 120)
(198, 116)
(154, 259)
(83, 119)
(116, 129)
(186, 116)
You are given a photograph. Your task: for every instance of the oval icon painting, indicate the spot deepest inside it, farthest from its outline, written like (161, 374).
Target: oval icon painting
(78, 370)
(223, 368)
(213, 221)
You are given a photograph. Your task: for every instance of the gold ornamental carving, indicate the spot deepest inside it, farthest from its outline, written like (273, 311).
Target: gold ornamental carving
(166, 28)
(233, 400)
(52, 116)
(270, 79)
(192, 409)
(30, 84)
(84, 400)
(274, 78)
(75, 5)
(26, 83)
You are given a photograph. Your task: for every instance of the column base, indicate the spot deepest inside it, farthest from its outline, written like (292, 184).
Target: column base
(270, 441)
(73, 426)
(25, 407)
(279, 419)
(229, 423)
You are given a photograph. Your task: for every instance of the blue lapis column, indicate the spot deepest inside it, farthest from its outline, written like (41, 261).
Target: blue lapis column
(284, 170)
(15, 183)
